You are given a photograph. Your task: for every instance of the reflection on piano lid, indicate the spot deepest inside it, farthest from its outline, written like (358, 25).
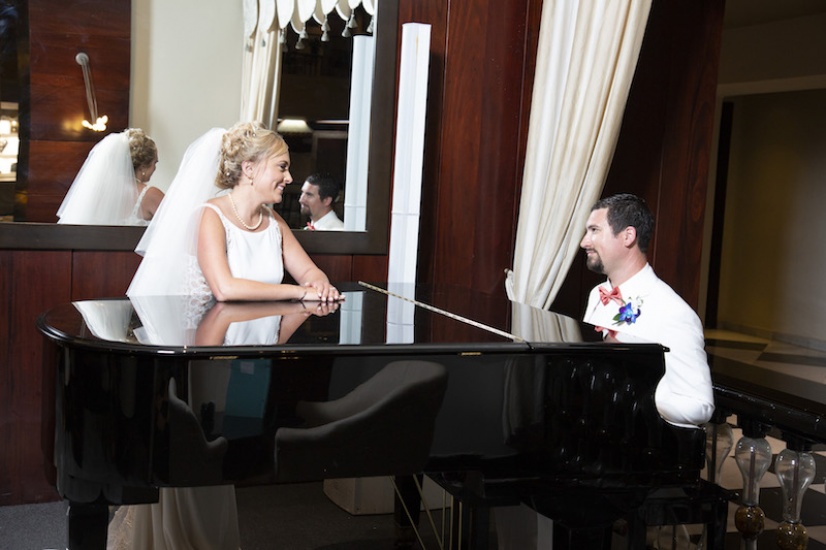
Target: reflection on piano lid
(369, 315)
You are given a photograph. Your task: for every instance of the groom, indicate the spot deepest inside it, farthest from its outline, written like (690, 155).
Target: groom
(634, 305)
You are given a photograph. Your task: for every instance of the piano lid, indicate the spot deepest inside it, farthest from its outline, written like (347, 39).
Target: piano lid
(377, 316)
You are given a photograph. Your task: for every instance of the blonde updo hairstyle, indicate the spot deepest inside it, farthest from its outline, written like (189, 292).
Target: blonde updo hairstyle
(141, 147)
(246, 141)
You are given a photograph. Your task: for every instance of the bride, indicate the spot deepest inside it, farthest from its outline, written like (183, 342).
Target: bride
(112, 187)
(218, 246)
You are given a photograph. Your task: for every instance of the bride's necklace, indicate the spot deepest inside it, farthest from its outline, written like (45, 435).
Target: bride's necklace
(240, 219)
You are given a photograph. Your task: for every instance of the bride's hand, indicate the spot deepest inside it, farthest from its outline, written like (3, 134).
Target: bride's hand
(321, 309)
(321, 291)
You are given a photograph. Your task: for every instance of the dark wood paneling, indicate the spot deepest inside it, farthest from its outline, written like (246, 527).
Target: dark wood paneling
(695, 37)
(59, 30)
(49, 178)
(337, 268)
(102, 274)
(57, 165)
(370, 268)
(31, 283)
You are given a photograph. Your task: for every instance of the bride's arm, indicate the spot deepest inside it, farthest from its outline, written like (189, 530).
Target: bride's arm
(212, 257)
(302, 268)
(151, 201)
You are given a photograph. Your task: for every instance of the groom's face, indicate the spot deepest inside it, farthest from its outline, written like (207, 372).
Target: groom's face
(603, 249)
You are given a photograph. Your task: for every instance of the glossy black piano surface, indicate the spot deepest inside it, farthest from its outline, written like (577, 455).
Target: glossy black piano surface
(158, 392)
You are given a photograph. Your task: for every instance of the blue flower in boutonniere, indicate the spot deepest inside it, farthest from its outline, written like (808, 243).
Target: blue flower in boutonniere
(628, 312)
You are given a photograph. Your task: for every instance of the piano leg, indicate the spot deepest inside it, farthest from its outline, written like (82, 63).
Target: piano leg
(406, 509)
(88, 525)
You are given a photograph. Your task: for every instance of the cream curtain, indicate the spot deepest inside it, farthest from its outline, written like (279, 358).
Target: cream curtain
(265, 24)
(586, 59)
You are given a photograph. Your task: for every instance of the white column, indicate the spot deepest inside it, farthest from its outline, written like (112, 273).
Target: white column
(407, 177)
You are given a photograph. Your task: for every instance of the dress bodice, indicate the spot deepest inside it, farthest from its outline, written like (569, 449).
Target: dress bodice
(257, 256)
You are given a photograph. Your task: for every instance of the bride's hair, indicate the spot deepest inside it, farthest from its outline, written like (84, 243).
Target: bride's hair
(246, 141)
(141, 147)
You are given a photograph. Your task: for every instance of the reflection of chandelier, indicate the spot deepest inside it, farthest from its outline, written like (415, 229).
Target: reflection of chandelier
(270, 15)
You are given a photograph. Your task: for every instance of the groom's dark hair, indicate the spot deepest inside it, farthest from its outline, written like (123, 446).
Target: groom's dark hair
(624, 210)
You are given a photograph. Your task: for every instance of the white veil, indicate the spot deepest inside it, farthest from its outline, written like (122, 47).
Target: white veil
(104, 190)
(168, 246)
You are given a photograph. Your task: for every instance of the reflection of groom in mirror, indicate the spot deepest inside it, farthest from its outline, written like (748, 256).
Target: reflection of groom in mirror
(318, 194)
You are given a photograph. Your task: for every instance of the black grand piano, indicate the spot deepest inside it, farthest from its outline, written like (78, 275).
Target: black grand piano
(499, 402)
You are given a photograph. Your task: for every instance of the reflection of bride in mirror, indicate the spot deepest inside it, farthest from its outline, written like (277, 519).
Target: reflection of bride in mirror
(112, 187)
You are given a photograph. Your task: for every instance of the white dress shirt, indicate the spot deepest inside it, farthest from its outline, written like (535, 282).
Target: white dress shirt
(328, 222)
(684, 395)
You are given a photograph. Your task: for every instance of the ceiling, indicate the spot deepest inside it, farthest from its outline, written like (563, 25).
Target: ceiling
(744, 13)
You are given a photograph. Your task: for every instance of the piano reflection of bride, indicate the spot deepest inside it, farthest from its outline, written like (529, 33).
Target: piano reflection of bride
(199, 517)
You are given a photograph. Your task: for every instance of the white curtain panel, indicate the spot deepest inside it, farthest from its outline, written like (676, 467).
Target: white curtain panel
(585, 64)
(262, 62)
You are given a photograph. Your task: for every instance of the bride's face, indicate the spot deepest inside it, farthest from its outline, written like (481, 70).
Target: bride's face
(273, 175)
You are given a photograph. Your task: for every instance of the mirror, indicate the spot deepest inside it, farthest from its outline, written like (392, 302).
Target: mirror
(9, 98)
(323, 113)
(373, 240)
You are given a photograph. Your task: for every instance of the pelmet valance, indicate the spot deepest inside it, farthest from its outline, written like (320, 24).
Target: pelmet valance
(276, 15)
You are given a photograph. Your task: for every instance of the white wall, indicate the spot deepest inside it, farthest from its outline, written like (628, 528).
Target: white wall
(773, 248)
(186, 73)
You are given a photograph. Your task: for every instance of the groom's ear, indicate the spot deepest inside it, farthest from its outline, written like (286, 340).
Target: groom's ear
(629, 236)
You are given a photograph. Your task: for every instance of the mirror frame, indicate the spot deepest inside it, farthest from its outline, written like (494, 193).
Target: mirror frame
(372, 241)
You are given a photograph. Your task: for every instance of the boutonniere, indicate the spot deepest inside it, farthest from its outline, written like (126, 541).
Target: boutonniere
(628, 312)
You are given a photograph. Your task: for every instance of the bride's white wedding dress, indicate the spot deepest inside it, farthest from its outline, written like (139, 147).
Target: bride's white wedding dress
(202, 518)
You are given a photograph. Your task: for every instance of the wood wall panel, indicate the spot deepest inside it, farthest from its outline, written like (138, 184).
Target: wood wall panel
(50, 178)
(32, 282)
(60, 29)
(369, 268)
(695, 40)
(337, 268)
(101, 274)
(353, 268)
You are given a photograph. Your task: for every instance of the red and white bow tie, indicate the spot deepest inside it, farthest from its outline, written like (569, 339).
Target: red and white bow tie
(606, 295)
